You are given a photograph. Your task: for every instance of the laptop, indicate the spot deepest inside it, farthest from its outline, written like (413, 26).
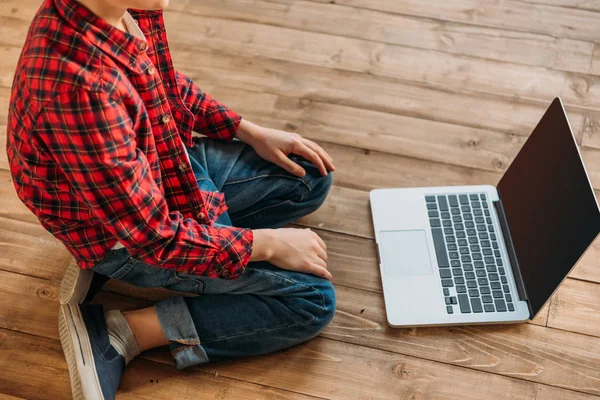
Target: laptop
(487, 254)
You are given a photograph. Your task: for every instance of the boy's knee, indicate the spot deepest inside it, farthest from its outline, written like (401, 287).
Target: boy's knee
(325, 311)
(320, 186)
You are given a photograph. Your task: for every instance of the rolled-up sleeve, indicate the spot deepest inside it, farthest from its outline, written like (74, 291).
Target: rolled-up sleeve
(213, 119)
(91, 137)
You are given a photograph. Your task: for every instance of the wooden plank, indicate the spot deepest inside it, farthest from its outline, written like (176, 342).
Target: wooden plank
(29, 304)
(7, 397)
(373, 130)
(365, 376)
(587, 268)
(313, 359)
(526, 351)
(595, 68)
(27, 248)
(425, 67)
(576, 307)
(34, 367)
(9, 56)
(591, 159)
(365, 91)
(490, 43)
(3, 154)
(376, 170)
(4, 105)
(149, 380)
(20, 9)
(545, 392)
(590, 136)
(591, 5)
(10, 204)
(514, 15)
(13, 30)
(345, 210)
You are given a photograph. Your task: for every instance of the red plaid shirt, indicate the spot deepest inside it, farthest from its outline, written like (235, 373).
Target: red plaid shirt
(98, 121)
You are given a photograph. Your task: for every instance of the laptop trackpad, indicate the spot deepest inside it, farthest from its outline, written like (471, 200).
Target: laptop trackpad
(405, 253)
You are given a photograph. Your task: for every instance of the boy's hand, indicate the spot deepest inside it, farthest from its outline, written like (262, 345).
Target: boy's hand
(275, 146)
(299, 250)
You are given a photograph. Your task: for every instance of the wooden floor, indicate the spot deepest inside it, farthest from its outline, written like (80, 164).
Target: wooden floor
(400, 93)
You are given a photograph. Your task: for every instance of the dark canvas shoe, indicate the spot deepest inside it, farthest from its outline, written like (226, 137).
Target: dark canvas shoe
(80, 285)
(95, 367)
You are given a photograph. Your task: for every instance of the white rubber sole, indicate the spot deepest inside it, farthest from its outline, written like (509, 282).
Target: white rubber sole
(78, 353)
(75, 284)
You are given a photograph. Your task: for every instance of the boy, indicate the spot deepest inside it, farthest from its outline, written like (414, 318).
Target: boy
(101, 151)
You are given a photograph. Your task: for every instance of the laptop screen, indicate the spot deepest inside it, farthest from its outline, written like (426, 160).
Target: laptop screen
(550, 206)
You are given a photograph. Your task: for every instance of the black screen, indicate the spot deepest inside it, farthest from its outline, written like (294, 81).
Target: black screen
(550, 206)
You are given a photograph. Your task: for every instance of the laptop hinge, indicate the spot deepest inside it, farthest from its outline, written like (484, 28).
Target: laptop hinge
(512, 255)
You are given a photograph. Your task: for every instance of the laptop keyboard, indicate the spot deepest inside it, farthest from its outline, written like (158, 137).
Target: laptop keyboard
(472, 271)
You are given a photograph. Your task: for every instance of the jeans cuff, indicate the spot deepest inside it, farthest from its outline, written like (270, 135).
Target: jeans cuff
(178, 326)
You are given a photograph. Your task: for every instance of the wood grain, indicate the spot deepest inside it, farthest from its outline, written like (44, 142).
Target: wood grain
(552, 393)
(365, 91)
(34, 367)
(528, 352)
(595, 67)
(3, 154)
(591, 5)
(490, 43)
(10, 205)
(373, 130)
(576, 307)
(511, 14)
(27, 248)
(457, 73)
(518, 350)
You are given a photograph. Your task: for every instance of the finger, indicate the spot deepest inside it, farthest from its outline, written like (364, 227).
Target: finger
(320, 271)
(321, 150)
(321, 242)
(321, 253)
(319, 261)
(322, 153)
(306, 152)
(290, 166)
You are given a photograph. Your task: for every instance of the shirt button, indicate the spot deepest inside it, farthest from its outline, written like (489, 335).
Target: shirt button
(182, 166)
(151, 70)
(143, 46)
(200, 216)
(166, 118)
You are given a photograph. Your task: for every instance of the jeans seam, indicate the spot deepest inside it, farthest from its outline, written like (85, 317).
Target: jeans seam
(268, 176)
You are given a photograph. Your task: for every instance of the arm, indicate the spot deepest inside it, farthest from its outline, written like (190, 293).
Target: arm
(91, 137)
(213, 119)
(216, 121)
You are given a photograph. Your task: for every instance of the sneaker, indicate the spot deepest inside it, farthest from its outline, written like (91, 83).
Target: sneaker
(80, 285)
(95, 367)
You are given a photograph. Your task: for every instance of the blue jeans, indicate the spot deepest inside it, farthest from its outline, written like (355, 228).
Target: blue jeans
(267, 308)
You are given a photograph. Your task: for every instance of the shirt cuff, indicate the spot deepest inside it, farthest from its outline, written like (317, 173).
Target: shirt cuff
(235, 253)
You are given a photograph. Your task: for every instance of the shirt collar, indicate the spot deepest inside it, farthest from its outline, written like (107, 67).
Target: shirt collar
(133, 27)
(122, 46)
